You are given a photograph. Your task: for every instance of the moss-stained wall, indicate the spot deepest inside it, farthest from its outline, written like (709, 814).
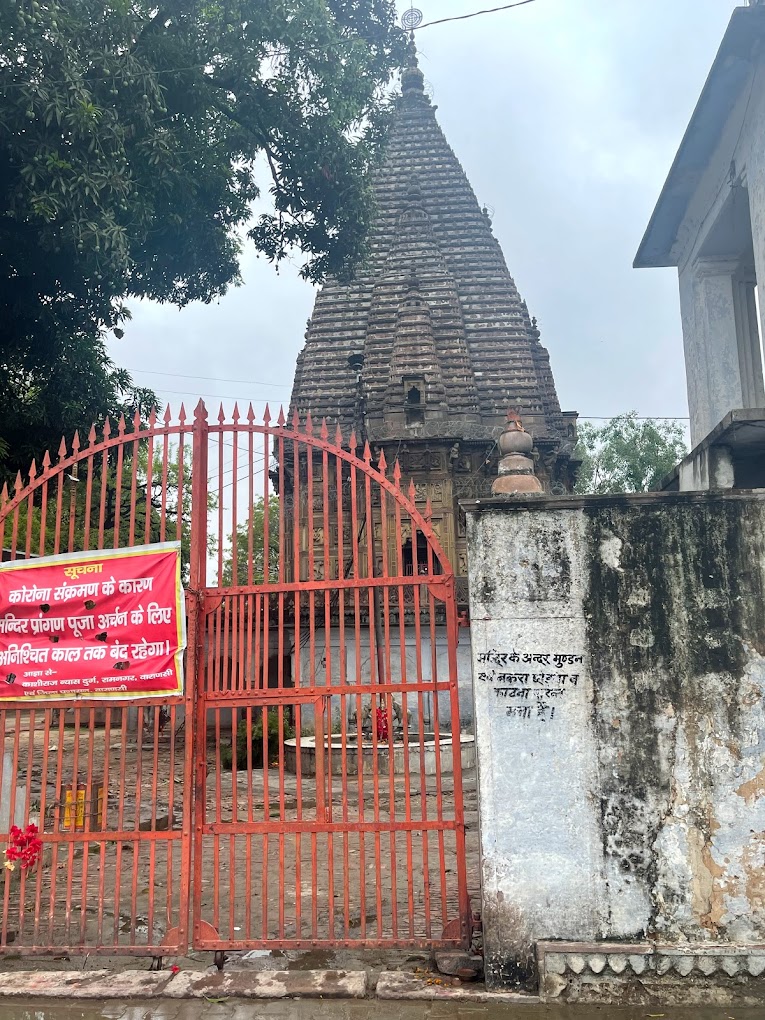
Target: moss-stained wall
(637, 808)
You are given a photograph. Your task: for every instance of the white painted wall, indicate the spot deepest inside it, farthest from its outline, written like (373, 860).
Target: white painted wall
(717, 379)
(638, 808)
(541, 851)
(707, 467)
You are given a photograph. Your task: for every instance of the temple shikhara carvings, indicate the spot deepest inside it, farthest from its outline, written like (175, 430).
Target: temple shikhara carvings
(424, 352)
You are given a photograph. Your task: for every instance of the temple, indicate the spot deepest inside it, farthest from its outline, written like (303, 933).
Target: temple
(431, 344)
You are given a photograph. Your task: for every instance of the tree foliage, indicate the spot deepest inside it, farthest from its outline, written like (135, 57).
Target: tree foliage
(249, 542)
(131, 134)
(627, 454)
(103, 515)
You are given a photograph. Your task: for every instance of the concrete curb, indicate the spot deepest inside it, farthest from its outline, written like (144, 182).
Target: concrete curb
(394, 984)
(144, 984)
(92, 984)
(282, 984)
(270, 984)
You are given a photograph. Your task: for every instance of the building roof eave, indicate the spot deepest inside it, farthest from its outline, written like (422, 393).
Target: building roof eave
(726, 78)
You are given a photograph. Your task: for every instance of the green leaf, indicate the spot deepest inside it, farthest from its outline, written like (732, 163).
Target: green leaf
(131, 134)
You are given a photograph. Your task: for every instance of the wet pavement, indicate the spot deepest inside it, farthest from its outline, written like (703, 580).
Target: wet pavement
(305, 1009)
(373, 961)
(283, 887)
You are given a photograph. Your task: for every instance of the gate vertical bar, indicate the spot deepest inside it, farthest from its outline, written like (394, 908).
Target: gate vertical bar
(196, 738)
(450, 602)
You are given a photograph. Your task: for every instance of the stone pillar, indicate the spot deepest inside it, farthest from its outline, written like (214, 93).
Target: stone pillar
(711, 339)
(755, 187)
(749, 348)
(539, 812)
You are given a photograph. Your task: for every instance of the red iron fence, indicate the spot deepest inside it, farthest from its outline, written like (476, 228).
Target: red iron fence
(305, 790)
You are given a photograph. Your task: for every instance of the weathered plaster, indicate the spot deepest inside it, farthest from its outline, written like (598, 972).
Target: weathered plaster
(638, 810)
(527, 591)
(711, 343)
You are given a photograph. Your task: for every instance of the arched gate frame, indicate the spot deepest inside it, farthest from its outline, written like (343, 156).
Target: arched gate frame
(304, 791)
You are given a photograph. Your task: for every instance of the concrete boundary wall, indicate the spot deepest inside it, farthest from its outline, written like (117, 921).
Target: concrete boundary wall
(619, 675)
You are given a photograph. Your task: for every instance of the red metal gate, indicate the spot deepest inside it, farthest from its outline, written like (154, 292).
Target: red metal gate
(107, 785)
(304, 792)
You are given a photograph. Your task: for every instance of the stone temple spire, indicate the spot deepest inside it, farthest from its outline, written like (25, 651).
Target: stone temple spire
(416, 332)
(482, 341)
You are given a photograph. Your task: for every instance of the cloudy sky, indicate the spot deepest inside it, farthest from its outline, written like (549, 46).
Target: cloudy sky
(566, 115)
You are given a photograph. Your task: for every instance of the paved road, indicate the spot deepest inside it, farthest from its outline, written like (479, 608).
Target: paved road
(346, 1010)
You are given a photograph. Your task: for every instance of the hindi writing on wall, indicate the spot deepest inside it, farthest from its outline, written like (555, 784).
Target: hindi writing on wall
(529, 685)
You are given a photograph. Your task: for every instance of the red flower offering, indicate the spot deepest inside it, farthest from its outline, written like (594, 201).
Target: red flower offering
(24, 848)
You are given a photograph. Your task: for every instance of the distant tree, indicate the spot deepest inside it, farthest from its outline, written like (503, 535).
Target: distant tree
(130, 137)
(168, 493)
(628, 454)
(249, 541)
(56, 388)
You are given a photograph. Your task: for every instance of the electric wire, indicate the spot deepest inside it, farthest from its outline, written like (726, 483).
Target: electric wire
(474, 14)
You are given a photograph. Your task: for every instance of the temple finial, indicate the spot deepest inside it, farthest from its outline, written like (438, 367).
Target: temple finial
(410, 20)
(412, 78)
(516, 465)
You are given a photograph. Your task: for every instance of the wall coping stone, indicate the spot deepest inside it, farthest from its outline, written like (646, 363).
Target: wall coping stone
(649, 971)
(625, 499)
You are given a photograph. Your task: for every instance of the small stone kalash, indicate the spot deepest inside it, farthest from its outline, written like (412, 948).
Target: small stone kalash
(516, 465)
